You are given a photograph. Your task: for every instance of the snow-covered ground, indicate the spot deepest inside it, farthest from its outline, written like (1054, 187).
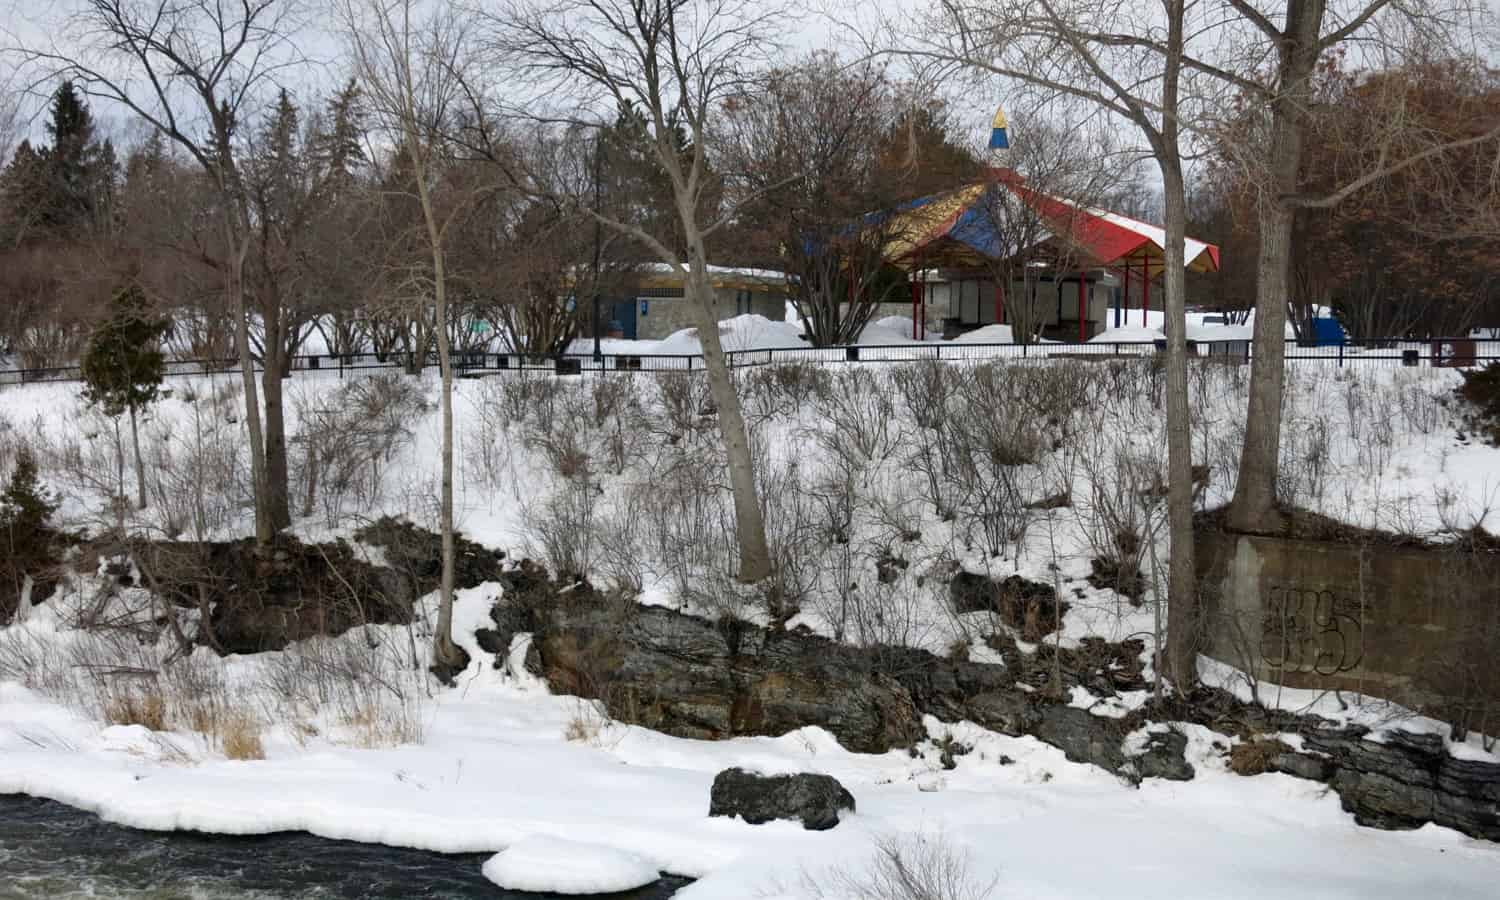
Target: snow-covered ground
(495, 770)
(499, 762)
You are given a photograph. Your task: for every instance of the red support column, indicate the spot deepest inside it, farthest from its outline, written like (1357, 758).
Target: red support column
(1124, 297)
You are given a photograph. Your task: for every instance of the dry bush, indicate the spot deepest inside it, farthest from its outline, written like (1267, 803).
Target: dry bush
(239, 737)
(780, 391)
(196, 475)
(349, 435)
(131, 705)
(1255, 757)
(368, 680)
(917, 866)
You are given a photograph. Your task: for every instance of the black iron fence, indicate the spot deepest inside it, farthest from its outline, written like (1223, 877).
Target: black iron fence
(1440, 352)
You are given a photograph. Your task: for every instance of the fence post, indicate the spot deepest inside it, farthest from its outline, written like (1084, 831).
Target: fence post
(1342, 342)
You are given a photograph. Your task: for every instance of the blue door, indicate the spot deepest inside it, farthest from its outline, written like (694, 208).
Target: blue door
(622, 314)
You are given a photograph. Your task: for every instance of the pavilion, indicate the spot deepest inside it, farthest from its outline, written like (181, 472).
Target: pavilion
(950, 239)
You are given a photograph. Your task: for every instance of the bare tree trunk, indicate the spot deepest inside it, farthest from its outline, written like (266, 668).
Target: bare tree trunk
(1182, 592)
(140, 464)
(235, 289)
(755, 554)
(1254, 506)
(119, 481)
(445, 653)
(274, 360)
(1182, 589)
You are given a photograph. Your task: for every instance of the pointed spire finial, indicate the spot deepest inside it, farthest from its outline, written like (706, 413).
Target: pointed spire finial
(999, 139)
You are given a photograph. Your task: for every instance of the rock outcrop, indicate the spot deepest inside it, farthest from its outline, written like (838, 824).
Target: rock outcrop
(1404, 780)
(813, 800)
(694, 677)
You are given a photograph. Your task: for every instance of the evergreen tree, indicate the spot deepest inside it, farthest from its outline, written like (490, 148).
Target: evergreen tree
(27, 504)
(25, 540)
(123, 366)
(79, 170)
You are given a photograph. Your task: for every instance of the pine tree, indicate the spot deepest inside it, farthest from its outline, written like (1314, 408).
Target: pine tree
(27, 504)
(123, 366)
(26, 549)
(78, 169)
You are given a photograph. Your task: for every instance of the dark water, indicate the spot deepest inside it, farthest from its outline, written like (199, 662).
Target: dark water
(52, 851)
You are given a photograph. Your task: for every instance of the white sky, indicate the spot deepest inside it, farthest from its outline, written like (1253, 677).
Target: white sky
(820, 24)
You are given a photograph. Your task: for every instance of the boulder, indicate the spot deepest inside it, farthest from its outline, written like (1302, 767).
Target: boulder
(1082, 736)
(814, 800)
(1165, 756)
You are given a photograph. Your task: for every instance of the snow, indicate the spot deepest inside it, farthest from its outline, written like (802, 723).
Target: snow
(493, 768)
(495, 773)
(1127, 334)
(989, 334)
(542, 863)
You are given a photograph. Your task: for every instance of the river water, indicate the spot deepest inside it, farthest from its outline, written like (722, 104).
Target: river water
(49, 851)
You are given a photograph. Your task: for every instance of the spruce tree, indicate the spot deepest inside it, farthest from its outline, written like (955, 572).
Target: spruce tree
(123, 366)
(76, 166)
(25, 540)
(27, 504)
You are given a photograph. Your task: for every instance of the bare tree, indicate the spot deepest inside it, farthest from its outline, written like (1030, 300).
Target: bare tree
(409, 65)
(809, 144)
(1275, 67)
(674, 62)
(1067, 48)
(195, 71)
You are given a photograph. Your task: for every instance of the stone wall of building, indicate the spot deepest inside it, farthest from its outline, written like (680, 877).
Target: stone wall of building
(1413, 624)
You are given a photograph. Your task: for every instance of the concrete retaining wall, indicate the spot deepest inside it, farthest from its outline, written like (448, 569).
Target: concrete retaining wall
(1415, 625)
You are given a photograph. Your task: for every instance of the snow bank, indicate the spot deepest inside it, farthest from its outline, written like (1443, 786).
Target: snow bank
(747, 332)
(541, 863)
(889, 330)
(1126, 333)
(989, 334)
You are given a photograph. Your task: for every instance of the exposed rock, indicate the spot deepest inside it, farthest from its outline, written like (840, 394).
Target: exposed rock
(1030, 607)
(1165, 756)
(814, 800)
(260, 600)
(1082, 736)
(691, 677)
(418, 554)
(889, 567)
(1406, 780)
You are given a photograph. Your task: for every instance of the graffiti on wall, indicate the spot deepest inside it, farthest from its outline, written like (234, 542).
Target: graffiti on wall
(1311, 630)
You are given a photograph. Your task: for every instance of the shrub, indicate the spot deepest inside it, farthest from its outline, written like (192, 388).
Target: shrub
(239, 736)
(1255, 757)
(130, 707)
(1481, 390)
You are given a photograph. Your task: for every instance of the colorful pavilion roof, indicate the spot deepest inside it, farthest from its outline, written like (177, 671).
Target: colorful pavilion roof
(955, 230)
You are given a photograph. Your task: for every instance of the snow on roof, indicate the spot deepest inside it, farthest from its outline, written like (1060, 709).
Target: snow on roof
(719, 272)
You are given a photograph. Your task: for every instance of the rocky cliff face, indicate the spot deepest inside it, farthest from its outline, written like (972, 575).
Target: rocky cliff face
(1404, 780)
(692, 677)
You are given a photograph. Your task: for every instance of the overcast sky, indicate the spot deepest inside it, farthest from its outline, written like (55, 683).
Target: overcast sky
(821, 24)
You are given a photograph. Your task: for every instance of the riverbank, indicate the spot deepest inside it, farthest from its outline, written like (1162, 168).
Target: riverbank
(50, 851)
(501, 758)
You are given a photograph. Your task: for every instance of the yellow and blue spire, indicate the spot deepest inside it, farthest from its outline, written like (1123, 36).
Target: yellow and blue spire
(999, 134)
